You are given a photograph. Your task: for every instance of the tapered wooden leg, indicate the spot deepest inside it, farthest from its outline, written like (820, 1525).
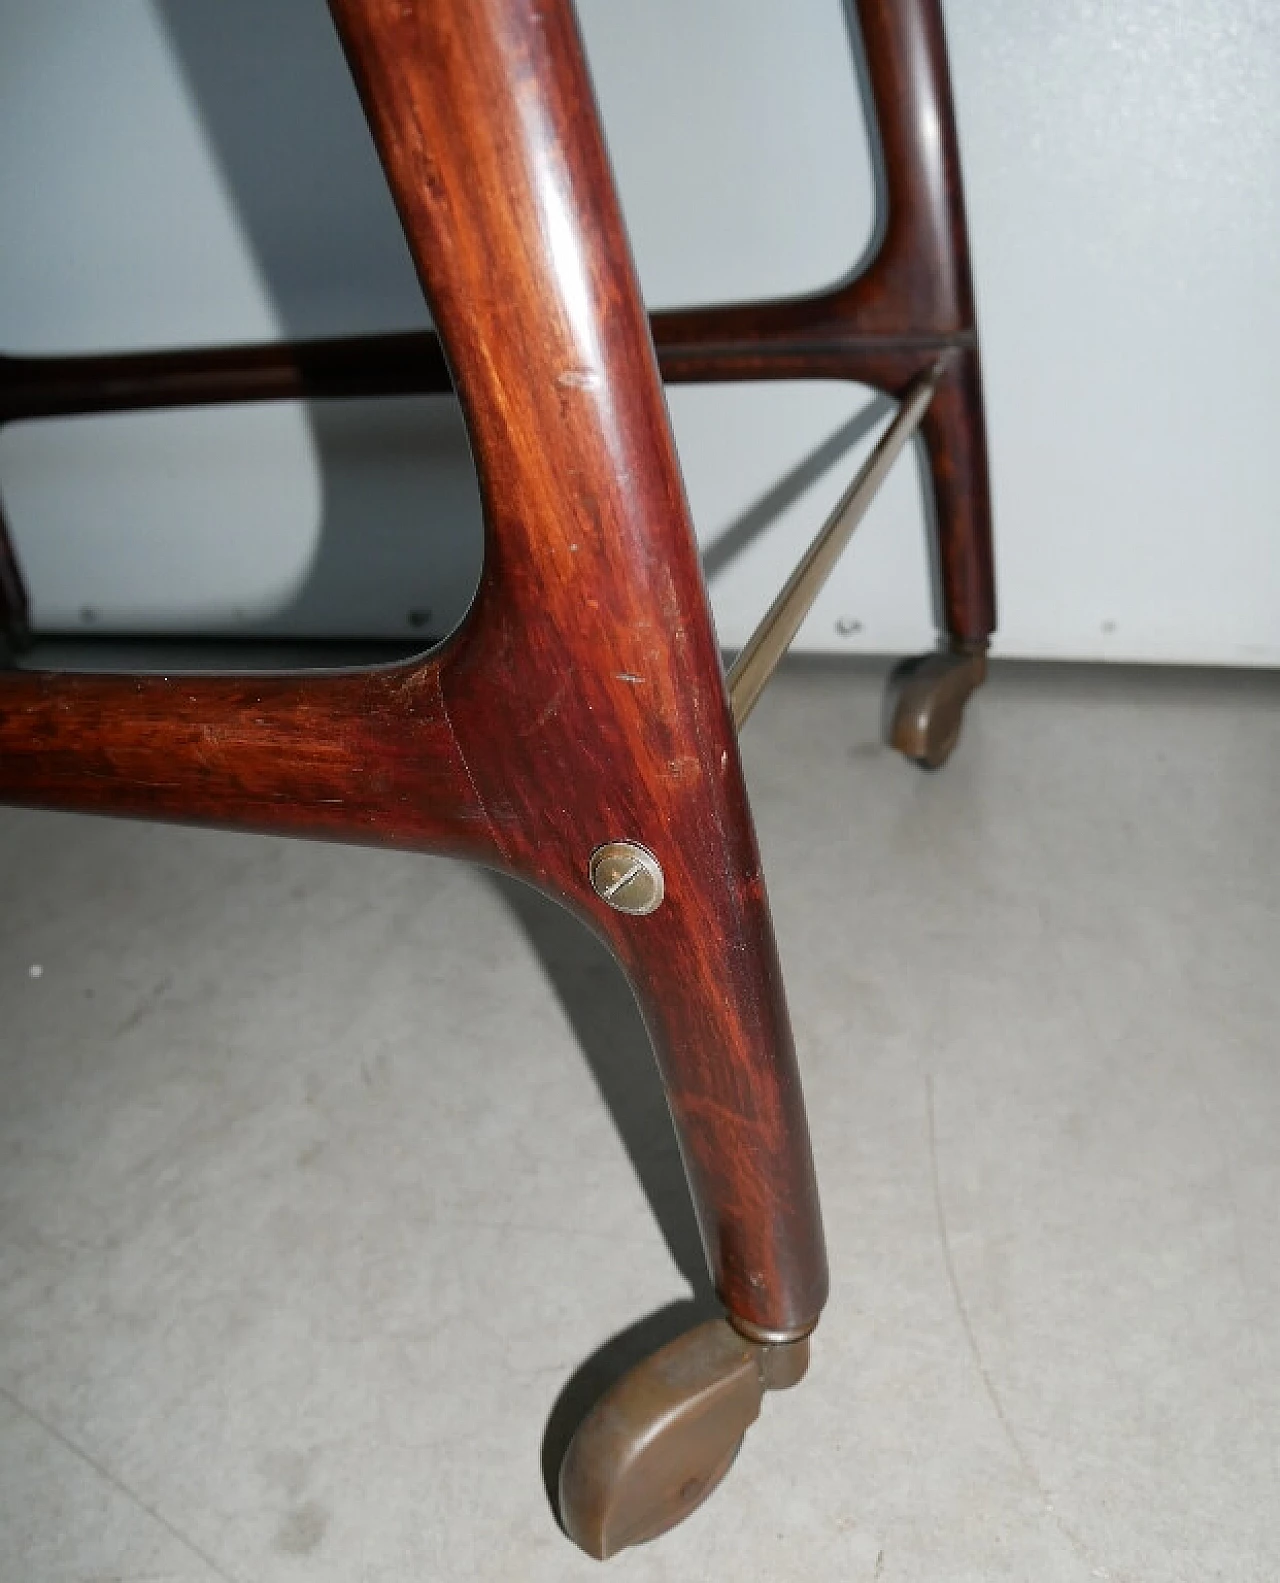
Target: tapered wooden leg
(928, 695)
(911, 304)
(587, 698)
(921, 280)
(955, 439)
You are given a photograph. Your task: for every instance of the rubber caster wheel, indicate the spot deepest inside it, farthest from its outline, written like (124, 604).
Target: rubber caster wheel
(661, 1439)
(926, 698)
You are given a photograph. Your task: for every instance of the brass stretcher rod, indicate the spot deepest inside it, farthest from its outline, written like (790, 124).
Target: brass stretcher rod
(759, 658)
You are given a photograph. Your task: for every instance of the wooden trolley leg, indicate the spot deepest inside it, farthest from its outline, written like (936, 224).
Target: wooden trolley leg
(921, 281)
(587, 698)
(955, 438)
(927, 696)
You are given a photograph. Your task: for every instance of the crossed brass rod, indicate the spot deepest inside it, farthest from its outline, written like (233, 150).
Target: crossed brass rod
(772, 638)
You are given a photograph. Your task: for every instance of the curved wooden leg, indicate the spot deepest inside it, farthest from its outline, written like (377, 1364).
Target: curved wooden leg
(913, 302)
(921, 281)
(585, 695)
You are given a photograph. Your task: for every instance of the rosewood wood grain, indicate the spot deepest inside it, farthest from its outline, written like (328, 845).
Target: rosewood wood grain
(582, 700)
(364, 756)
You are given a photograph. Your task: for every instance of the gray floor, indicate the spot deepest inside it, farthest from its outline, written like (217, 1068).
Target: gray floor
(312, 1202)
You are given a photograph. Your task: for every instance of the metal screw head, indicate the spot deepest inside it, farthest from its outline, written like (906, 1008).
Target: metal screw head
(627, 876)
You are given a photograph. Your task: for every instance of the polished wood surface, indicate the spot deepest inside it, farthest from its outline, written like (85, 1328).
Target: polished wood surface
(587, 697)
(360, 756)
(582, 701)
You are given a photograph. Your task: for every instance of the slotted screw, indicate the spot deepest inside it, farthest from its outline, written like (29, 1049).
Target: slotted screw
(627, 876)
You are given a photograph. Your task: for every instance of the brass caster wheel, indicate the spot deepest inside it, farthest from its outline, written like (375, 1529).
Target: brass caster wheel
(661, 1439)
(926, 703)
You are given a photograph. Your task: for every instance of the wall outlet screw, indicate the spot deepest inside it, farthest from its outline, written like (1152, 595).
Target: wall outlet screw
(627, 876)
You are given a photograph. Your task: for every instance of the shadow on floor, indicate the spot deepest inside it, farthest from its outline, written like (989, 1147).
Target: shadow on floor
(598, 1001)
